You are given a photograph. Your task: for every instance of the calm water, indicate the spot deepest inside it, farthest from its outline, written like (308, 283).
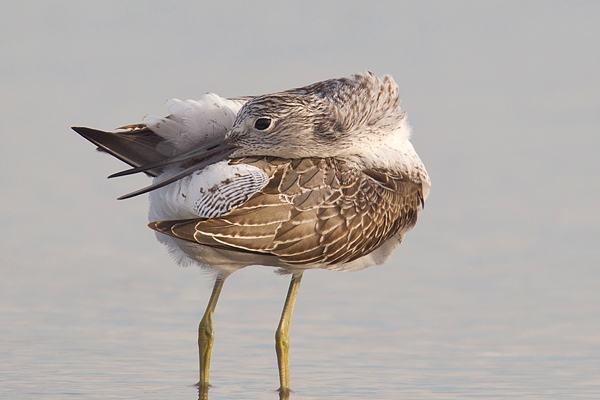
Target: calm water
(128, 330)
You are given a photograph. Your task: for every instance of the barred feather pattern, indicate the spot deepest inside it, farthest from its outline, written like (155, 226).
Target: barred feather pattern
(312, 211)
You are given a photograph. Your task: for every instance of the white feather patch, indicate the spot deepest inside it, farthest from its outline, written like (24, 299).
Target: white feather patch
(192, 122)
(208, 193)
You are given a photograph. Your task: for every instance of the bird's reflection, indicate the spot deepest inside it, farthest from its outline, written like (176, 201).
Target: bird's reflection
(203, 393)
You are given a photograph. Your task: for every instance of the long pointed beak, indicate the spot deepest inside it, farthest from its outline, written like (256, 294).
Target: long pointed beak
(205, 150)
(193, 160)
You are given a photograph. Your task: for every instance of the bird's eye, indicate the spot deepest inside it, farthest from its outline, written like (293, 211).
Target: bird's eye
(262, 123)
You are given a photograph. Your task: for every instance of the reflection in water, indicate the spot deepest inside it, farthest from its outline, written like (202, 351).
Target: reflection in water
(204, 389)
(203, 393)
(284, 394)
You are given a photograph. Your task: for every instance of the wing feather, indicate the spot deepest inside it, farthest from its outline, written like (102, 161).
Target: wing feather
(311, 211)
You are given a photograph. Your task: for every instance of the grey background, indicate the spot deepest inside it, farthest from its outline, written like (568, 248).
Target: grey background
(494, 294)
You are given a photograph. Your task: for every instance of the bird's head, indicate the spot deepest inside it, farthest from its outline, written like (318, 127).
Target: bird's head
(288, 126)
(356, 118)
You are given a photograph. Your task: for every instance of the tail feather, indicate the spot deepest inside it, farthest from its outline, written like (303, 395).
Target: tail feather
(136, 147)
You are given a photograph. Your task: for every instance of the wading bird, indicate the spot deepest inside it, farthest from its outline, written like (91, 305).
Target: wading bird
(322, 176)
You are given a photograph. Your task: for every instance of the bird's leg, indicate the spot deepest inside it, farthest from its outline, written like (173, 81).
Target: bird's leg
(282, 336)
(206, 333)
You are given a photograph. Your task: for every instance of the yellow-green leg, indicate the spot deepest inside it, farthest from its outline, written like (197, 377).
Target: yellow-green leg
(206, 336)
(282, 336)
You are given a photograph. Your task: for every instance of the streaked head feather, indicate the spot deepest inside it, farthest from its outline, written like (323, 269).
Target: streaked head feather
(334, 118)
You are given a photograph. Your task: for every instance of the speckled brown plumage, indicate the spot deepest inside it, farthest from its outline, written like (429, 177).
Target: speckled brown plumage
(312, 211)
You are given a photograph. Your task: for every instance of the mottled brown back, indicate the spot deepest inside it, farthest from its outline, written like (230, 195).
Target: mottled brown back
(312, 211)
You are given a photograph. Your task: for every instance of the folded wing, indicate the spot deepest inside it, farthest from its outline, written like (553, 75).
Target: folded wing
(312, 211)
